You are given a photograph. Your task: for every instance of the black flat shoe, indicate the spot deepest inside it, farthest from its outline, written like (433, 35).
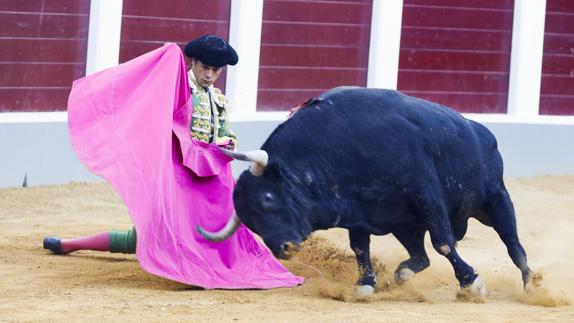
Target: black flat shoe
(53, 244)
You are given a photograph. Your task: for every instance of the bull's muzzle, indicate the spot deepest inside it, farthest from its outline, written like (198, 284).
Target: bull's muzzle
(288, 250)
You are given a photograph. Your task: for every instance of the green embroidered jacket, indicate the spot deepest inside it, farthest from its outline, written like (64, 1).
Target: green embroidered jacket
(210, 115)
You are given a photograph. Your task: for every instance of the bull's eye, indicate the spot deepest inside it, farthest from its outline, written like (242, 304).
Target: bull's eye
(269, 201)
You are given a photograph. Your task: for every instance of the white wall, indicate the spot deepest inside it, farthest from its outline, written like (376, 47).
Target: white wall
(43, 150)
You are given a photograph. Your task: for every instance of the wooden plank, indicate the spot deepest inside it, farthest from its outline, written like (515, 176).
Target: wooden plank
(356, 56)
(59, 6)
(449, 17)
(323, 35)
(314, 11)
(40, 75)
(457, 52)
(416, 37)
(559, 43)
(454, 60)
(147, 29)
(43, 50)
(449, 81)
(196, 9)
(309, 47)
(557, 105)
(562, 22)
(466, 102)
(303, 78)
(283, 100)
(558, 65)
(34, 99)
(557, 84)
(146, 26)
(559, 6)
(489, 4)
(43, 25)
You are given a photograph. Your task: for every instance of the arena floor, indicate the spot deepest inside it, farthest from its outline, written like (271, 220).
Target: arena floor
(92, 286)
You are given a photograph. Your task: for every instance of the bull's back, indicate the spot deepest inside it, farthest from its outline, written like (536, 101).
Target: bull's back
(383, 131)
(359, 114)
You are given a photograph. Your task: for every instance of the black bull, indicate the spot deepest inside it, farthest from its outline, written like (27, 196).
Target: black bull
(377, 162)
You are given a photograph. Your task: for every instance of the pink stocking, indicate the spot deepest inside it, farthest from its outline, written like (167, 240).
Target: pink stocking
(99, 242)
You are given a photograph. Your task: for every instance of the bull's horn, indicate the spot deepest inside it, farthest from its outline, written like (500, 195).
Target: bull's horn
(229, 229)
(258, 159)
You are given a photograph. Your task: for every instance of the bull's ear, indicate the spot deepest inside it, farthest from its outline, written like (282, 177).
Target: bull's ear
(273, 172)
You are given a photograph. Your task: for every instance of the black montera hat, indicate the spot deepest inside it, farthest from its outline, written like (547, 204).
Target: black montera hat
(212, 50)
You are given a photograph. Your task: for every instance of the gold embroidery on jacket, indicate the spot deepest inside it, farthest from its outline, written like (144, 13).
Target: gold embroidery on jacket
(209, 115)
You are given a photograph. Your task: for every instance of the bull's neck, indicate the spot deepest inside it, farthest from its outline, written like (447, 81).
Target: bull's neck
(316, 207)
(329, 213)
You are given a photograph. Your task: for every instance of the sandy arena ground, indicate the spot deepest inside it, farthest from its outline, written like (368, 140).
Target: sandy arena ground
(92, 286)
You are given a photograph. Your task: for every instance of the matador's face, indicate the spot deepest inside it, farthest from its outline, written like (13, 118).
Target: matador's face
(205, 75)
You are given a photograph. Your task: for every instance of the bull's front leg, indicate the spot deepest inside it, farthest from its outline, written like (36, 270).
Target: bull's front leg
(360, 243)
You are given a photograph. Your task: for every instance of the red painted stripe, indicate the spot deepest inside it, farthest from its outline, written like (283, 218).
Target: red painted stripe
(147, 25)
(33, 75)
(70, 6)
(273, 33)
(560, 6)
(301, 78)
(33, 99)
(559, 43)
(467, 102)
(464, 39)
(314, 57)
(457, 82)
(457, 52)
(43, 50)
(447, 17)
(196, 9)
(160, 30)
(330, 39)
(560, 23)
(557, 84)
(556, 105)
(44, 26)
(489, 4)
(454, 60)
(283, 100)
(558, 65)
(314, 12)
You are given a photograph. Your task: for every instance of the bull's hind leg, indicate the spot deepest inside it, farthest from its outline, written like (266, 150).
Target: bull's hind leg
(360, 243)
(500, 212)
(412, 238)
(436, 219)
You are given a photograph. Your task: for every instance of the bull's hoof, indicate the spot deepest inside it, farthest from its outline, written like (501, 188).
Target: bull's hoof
(364, 291)
(403, 274)
(535, 282)
(478, 288)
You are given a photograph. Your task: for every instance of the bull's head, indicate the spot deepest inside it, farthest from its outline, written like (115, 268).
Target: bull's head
(261, 205)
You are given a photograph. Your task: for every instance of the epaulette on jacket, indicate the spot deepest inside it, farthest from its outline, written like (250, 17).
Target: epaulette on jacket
(220, 99)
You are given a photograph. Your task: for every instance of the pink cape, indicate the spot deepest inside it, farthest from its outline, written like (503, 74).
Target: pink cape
(130, 125)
